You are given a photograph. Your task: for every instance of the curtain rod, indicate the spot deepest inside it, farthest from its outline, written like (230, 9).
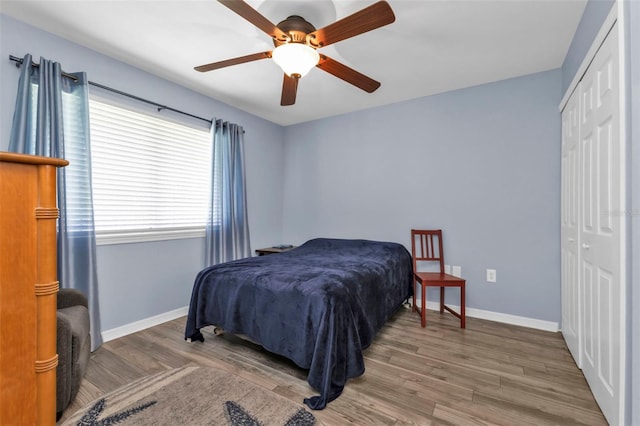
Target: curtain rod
(160, 107)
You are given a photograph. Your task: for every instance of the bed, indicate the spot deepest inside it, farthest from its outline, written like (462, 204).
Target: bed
(320, 304)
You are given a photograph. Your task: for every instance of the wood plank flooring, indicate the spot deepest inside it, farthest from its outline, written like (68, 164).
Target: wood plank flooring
(490, 373)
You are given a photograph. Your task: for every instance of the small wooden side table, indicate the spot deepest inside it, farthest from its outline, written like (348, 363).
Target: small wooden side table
(273, 250)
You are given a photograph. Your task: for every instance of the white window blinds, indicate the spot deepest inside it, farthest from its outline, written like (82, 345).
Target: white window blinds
(77, 182)
(150, 175)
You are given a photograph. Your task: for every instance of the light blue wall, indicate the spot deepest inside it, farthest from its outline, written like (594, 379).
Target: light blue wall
(138, 281)
(592, 18)
(481, 163)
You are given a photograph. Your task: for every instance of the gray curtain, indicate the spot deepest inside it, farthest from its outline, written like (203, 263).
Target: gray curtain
(51, 119)
(227, 230)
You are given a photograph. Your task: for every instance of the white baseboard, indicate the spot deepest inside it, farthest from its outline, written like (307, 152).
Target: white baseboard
(504, 318)
(133, 327)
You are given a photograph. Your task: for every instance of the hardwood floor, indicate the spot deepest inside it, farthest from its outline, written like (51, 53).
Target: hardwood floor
(489, 373)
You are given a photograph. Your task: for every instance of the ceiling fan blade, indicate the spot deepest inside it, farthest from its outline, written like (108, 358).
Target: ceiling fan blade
(289, 90)
(375, 16)
(235, 61)
(257, 19)
(347, 74)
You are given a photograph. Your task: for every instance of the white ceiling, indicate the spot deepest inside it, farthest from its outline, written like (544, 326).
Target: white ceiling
(433, 46)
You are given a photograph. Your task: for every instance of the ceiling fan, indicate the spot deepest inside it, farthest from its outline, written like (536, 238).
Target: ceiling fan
(296, 42)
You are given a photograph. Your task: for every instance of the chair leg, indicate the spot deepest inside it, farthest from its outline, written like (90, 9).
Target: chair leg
(423, 307)
(413, 307)
(463, 317)
(442, 300)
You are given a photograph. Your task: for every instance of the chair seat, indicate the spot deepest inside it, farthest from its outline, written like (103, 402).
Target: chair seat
(441, 279)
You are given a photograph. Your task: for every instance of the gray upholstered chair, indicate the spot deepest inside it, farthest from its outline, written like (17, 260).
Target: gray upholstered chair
(73, 344)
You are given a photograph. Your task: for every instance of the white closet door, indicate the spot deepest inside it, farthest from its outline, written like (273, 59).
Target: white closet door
(570, 241)
(602, 230)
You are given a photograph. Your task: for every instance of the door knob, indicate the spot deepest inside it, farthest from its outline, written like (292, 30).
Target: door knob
(572, 240)
(585, 246)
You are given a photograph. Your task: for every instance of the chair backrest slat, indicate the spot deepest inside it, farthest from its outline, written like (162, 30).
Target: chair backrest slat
(426, 246)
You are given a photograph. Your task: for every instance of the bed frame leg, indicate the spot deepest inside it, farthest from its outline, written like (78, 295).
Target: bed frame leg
(196, 337)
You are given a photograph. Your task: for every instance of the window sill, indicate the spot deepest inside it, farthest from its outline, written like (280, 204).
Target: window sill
(142, 236)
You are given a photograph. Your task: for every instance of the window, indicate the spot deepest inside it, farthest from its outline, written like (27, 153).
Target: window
(77, 189)
(150, 175)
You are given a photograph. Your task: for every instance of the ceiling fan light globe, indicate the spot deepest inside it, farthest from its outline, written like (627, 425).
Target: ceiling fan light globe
(295, 59)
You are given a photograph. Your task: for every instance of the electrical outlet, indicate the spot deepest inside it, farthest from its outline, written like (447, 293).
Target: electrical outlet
(447, 269)
(456, 271)
(491, 275)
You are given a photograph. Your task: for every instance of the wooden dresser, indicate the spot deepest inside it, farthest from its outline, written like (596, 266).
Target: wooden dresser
(28, 288)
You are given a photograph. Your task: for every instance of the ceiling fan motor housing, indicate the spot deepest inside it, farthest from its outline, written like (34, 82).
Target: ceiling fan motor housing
(297, 28)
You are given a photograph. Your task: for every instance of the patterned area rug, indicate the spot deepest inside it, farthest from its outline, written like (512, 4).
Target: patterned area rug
(193, 396)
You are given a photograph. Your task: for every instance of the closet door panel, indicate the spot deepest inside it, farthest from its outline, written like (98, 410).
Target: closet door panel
(589, 321)
(571, 293)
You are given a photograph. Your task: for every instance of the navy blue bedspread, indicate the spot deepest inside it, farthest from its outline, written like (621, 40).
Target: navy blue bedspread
(319, 305)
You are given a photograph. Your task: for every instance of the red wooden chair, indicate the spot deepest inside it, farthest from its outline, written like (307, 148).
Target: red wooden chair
(426, 247)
